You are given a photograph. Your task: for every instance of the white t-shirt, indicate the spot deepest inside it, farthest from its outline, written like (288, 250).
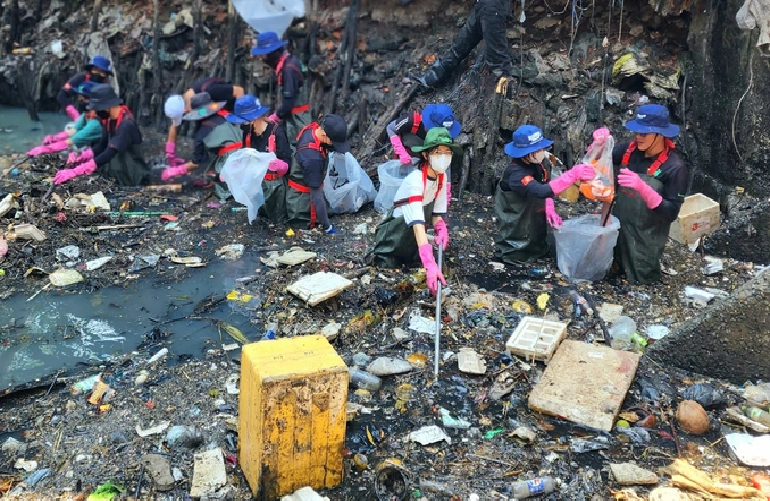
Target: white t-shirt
(412, 189)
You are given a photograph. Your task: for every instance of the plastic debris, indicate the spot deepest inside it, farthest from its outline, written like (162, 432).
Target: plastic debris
(209, 473)
(450, 422)
(231, 252)
(429, 435)
(305, 494)
(751, 450)
(319, 287)
(160, 428)
(387, 366)
(471, 362)
(64, 277)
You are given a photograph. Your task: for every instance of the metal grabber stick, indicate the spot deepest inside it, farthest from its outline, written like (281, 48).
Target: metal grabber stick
(438, 315)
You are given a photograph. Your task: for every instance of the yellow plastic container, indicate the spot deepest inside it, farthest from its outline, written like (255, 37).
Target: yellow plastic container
(698, 217)
(291, 424)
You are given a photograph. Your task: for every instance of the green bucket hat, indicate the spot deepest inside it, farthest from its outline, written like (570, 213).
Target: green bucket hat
(437, 136)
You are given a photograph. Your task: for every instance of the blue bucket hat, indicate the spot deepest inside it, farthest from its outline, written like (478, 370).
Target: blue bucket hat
(99, 62)
(526, 139)
(653, 118)
(266, 43)
(440, 115)
(247, 108)
(85, 88)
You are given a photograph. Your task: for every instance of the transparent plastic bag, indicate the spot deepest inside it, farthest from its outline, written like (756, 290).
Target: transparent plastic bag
(243, 172)
(602, 187)
(391, 174)
(584, 247)
(269, 15)
(347, 187)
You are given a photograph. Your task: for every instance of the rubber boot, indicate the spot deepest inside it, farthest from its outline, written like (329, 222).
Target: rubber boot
(435, 75)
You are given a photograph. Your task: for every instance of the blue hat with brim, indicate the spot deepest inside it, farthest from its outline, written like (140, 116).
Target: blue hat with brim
(247, 108)
(526, 139)
(440, 115)
(101, 63)
(653, 119)
(266, 43)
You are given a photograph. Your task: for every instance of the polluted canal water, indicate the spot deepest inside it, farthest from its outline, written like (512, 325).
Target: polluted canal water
(56, 332)
(19, 134)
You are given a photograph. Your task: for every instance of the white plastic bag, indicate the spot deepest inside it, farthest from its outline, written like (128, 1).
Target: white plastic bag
(269, 15)
(391, 174)
(584, 247)
(243, 172)
(347, 187)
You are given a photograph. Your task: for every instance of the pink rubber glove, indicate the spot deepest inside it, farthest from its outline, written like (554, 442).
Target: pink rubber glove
(55, 138)
(274, 118)
(442, 234)
(3, 247)
(630, 179)
(84, 169)
(432, 273)
(88, 154)
(40, 150)
(551, 217)
(398, 148)
(58, 146)
(72, 158)
(170, 148)
(278, 166)
(600, 137)
(170, 172)
(448, 193)
(580, 172)
(176, 162)
(72, 112)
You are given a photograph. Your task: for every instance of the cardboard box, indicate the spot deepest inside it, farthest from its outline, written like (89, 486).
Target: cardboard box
(698, 217)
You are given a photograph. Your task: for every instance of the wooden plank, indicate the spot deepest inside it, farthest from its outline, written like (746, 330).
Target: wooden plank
(585, 384)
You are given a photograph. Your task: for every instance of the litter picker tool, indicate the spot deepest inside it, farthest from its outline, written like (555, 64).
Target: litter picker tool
(438, 315)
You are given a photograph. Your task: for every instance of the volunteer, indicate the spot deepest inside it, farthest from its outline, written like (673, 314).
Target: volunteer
(97, 71)
(267, 137)
(652, 181)
(118, 154)
(486, 22)
(524, 197)
(409, 130)
(86, 131)
(305, 201)
(294, 110)
(400, 239)
(218, 88)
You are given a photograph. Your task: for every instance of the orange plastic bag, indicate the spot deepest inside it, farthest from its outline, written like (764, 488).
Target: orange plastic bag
(602, 187)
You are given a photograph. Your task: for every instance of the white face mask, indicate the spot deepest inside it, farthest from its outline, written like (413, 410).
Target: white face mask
(440, 163)
(538, 156)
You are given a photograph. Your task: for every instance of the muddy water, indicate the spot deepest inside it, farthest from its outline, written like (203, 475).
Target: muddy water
(53, 332)
(19, 134)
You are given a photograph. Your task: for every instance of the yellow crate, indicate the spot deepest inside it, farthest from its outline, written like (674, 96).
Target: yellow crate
(698, 217)
(291, 423)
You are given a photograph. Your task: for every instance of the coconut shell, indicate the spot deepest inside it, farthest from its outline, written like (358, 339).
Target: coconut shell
(692, 417)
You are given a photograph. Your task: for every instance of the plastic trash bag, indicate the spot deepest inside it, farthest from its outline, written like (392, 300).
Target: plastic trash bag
(584, 247)
(347, 187)
(391, 174)
(602, 187)
(269, 15)
(243, 172)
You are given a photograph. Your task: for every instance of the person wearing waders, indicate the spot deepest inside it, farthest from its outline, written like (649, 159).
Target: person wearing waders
(294, 110)
(267, 137)
(409, 130)
(86, 132)
(118, 154)
(97, 71)
(219, 89)
(207, 115)
(652, 183)
(486, 22)
(524, 197)
(400, 239)
(305, 201)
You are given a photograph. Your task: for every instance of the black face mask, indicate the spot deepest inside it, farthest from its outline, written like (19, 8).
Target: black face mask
(96, 78)
(246, 128)
(103, 114)
(81, 106)
(274, 57)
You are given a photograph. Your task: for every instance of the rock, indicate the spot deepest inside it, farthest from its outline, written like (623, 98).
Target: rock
(692, 417)
(630, 474)
(331, 330)
(387, 366)
(400, 334)
(159, 469)
(305, 494)
(209, 473)
(183, 437)
(361, 359)
(470, 362)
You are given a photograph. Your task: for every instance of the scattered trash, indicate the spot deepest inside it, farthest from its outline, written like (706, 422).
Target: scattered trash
(750, 450)
(319, 287)
(391, 481)
(23, 464)
(422, 324)
(450, 422)
(69, 252)
(142, 262)
(584, 247)
(470, 362)
(583, 445)
(692, 417)
(706, 394)
(657, 332)
(713, 265)
(97, 263)
(699, 296)
(160, 428)
(209, 473)
(24, 232)
(734, 415)
(685, 476)
(364, 380)
(159, 469)
(305, 494)
(387, 366)
(758, 395)
(184, 437)
(64, 277)
(525, 434)
(536, 338)
(158, 356)
(232, 384)
(524, 489)
(428, 435)
(610, 312)
(231, 252)
(631, 474)
(331, 330)
(292, 257)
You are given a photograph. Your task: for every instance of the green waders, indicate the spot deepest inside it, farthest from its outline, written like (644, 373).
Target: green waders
(300, 114)
(523, 229)
(222, 141)
(643, 234)
(299, 211)
(394, 241)
(274, 188)
(128, 168)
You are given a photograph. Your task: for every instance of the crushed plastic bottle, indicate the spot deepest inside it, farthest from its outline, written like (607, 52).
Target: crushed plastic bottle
(364, 380)
(621, 331)
(524, 489)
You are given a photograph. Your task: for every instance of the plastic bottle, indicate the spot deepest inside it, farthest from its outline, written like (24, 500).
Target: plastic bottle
(758, 415)
(581, 305)
(621, 331)
(364, 380)
(528, 488)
